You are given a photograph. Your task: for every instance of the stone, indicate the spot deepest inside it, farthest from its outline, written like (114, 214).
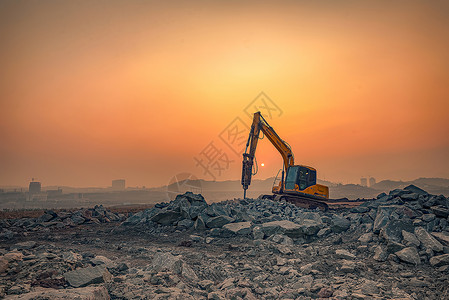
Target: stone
(428, 217)
(282, 227)
(414, 189)
(366, 238)
(345, 254)
(167, 261)
(410, 239)
(258, 233)
(325, 293)
(186, 223)
(440, 211)
(427, 240)
(323, 232)
(166, 217)
(410, 197)
(4, 263)
(85, 293)
(199, 224)
(392, 231)
(219, 221)
(240, 228)
(440, 260)
(71, 257)
(339, 224)
(409, 255)
(393, 247)
(443, 237)
(380, 253)
(85, 276)
(102, 260)
(310, 227)
(77, 220)
(24, 245)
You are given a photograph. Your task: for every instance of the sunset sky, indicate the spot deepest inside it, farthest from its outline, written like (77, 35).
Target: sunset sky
(92, 91)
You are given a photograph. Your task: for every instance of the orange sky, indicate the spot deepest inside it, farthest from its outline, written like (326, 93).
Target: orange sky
(92, 91)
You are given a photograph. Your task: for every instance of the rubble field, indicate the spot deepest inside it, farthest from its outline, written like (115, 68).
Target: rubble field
(393, 247)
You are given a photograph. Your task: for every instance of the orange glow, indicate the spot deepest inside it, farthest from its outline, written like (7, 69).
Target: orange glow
(90, 92)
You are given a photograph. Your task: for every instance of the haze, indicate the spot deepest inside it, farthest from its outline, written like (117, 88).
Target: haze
(92, 91)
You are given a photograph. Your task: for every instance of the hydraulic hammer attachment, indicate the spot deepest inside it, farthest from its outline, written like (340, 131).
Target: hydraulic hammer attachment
(247, 169)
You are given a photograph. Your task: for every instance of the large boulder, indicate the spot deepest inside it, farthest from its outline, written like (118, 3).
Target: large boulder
(392, 231)
(85, 276)
(166, 217)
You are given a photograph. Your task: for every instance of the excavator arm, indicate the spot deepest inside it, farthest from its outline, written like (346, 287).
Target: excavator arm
(260, 124)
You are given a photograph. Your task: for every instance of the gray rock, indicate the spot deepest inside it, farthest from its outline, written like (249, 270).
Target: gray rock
(310, 227)
(339, 224)
(366, 238)
(380, 253)
(241, 228)
(410, 239)
(102, 260)
(392, 231)
(409, 255)
(393, 247)
(428, 217)
(427, 240)
(85, 293)
(440, 211)
(175, 264)
(186, 223)
(258, 233)
(199, 224)
(414, 189)
(345, 254)
(166, 217)
(77, 219)
(85, 276)
(410, 197)
(282, 227)
(323, 232)
(24, 245)
(440, 260)
(219, 221)
(443, 237)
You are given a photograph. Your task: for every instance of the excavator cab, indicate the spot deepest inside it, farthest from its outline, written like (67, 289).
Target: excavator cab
(300, 177)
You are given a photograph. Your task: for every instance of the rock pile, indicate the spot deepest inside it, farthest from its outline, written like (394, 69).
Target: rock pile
(58, 220)
(393, 247)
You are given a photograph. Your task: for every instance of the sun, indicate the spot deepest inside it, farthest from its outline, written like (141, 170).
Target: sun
(262, 164)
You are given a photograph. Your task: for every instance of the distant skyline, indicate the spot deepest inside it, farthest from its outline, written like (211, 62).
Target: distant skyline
(94, 91)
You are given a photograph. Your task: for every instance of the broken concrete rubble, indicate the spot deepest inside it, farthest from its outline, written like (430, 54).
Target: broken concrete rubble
(394, 246)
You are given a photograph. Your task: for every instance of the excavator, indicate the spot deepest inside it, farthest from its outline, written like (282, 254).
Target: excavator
(299, 185)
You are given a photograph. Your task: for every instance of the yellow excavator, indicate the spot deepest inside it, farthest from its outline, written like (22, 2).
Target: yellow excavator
(299, 185)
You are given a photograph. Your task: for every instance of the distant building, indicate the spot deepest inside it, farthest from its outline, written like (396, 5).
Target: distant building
(34, 187)
(54, 193)
(118, 184)
(363, 181)
(372, 181)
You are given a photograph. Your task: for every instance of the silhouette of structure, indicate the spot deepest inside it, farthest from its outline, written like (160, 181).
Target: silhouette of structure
(118, 184)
